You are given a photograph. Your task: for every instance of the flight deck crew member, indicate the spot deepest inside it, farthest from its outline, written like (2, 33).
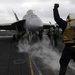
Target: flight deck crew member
(55, 36)
(68, 28)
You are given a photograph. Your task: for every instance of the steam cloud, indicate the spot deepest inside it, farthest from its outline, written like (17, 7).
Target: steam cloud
(43, 50)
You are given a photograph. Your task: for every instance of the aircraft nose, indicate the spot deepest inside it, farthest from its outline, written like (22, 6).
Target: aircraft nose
(36, 22)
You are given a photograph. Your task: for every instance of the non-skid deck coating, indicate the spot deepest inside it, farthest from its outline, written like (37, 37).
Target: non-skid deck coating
(12, 62)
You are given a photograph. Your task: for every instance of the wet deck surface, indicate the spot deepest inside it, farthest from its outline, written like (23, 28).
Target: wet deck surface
(12, 62)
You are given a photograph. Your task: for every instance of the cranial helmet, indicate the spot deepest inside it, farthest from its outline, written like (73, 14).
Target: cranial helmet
(70, 17)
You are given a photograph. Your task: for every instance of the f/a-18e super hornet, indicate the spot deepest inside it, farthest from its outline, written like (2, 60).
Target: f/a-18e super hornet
(30, 21)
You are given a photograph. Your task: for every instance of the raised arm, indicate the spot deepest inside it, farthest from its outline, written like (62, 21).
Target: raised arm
(57, 18)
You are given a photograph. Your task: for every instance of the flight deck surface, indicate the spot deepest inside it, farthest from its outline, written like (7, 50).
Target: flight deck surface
(12, 62)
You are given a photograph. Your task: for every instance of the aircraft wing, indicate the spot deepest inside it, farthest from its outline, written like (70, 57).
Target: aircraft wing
(12, 26)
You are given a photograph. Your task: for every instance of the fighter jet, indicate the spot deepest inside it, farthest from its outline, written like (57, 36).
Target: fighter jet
(30, 21)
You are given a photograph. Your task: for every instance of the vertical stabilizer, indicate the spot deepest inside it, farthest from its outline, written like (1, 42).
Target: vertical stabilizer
(16, 16)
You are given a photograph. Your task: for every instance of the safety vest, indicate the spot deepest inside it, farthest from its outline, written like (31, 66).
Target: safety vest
(69, 33)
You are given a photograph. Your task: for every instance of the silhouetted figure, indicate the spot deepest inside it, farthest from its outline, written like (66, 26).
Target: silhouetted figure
(51, 37)
(68, 39)
(55, 35)
(49, 34)
(40, 34)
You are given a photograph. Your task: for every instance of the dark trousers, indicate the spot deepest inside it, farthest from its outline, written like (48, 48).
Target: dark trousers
(67, 55)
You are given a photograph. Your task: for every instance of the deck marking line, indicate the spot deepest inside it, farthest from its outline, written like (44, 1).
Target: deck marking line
(32, 72)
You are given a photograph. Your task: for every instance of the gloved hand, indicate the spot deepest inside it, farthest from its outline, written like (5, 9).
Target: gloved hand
(56, 5)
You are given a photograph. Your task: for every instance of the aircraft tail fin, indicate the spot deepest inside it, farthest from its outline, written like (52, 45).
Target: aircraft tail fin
(16, 16)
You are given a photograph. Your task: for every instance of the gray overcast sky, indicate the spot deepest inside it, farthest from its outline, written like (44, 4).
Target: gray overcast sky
(42, 8)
